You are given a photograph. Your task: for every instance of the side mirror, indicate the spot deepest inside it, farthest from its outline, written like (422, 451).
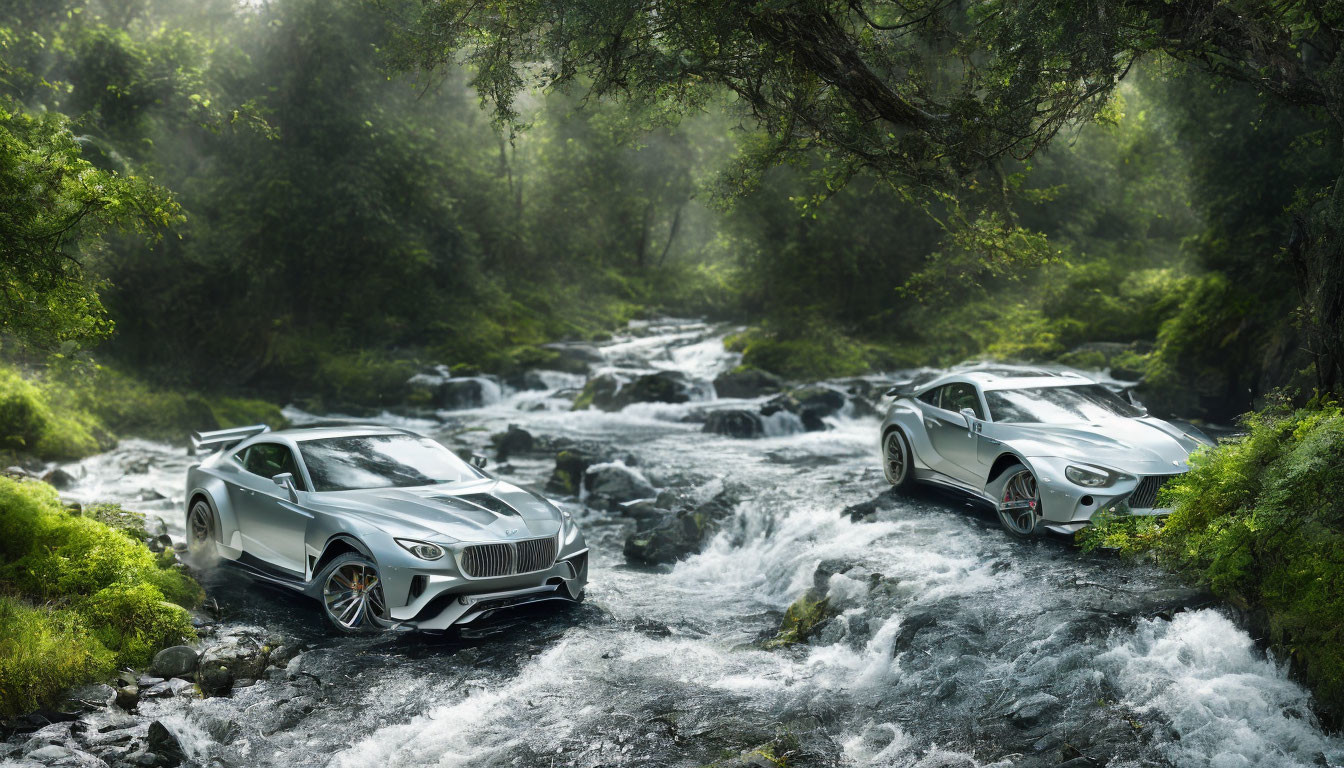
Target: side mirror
(478, 460)
(286, 480)
(969, 415)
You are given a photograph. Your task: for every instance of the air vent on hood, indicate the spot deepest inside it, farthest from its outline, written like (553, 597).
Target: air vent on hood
(489, 502)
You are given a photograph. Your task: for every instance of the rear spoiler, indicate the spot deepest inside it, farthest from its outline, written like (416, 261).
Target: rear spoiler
(220, 439)
(909, 387)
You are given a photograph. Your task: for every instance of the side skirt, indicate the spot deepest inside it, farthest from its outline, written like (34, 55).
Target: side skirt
(263, 571)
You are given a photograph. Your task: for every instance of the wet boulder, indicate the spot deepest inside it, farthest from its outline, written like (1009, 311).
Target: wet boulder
(525, 381)
(802, 619)
(570, 466)
(610, 392)
(666, 536)
(512, 441)
(612, 484)
(747, 382)
(810, 404)
(467, 392)
(161, 742)
(735, 422)
(60, 479)
(571, 357)
(241, 652)
(177, 661)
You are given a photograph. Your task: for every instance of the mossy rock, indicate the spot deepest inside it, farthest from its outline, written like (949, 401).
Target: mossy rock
(802, 619)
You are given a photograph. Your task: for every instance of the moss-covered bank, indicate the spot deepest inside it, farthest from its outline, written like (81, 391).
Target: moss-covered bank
(1260, 521)
(69, 414)
(79, 598)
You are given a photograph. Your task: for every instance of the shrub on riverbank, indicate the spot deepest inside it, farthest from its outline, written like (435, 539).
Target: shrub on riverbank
(1260, 520)
(80, 598)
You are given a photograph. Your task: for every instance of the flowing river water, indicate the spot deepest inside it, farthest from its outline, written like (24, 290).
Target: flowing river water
(953, 644)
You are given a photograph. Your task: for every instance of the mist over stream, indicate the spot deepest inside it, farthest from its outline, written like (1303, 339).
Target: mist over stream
(953, 644)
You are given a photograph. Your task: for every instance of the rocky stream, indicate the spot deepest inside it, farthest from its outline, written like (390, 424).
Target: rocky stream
(924, 636)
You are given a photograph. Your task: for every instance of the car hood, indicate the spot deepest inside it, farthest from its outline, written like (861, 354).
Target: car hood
(479, 510)
(1141, 445)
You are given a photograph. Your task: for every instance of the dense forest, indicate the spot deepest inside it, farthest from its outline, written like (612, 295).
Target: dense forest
(299, 211)
(212, 209)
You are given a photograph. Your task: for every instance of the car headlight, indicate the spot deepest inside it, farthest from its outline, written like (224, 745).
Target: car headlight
(421, 549)
(1089, 478)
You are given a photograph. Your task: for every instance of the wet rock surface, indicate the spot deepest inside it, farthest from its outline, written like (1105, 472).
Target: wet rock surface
(941, 642)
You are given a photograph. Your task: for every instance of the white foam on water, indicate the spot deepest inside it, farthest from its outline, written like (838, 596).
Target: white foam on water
(1230, 706)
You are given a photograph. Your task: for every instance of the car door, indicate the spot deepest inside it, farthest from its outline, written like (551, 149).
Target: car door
(273, 528)
(957, 446)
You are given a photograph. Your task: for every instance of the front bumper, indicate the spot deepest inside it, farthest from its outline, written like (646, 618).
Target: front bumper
(442, 600)
(1067, 507)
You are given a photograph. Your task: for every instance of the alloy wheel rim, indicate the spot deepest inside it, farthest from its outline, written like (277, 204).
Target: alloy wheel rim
(895, 456)
(1021, 503)
(199, 526)
(353, 596)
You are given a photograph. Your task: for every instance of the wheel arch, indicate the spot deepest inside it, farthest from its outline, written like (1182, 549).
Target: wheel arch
(1001, 465)
(336, 546)
(212, 490)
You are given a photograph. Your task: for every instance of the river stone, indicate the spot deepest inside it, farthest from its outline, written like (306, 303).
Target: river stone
(735, 423)
(526, 381)
(459, 394)
(241, 652)
(514, 440)
(59, 479)
(163, 743)
(609, 392)
(214, 680)
(573, 358)
(667, 539)
(747, 382)
(128, 697)
(610, 485)
(570, 466)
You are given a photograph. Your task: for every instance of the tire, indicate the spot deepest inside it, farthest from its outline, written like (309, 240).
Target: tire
(201, 530)
(352, 595)
(897, 461)
(1018, 488)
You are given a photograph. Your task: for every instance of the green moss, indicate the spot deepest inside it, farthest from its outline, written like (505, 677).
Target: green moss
(1260, 521)
(44, 651)
(103, 599)
(30, 424)
(803, 617)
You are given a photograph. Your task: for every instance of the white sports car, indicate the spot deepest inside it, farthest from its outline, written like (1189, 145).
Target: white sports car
(1048, 450)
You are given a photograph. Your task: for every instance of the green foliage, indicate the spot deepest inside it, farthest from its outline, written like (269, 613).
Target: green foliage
(1260, 520)
(44, 651)
(105, 599)
(58, 209)
(30, 423)
(808, 350)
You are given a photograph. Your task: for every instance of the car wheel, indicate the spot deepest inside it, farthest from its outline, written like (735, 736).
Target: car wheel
(352, 595)
(897, 461)
(201, 530)
(1020, 503)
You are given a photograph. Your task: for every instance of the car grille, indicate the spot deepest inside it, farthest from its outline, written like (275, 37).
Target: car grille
(481, 561)
(1145, 496)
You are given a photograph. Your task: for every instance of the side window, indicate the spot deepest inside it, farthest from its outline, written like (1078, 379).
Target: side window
(931, 397)
(958, 396)
(271, 459)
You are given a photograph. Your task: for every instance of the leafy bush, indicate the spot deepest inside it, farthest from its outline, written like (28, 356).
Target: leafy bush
(1260, 520)
(809, 349)
(105, 599)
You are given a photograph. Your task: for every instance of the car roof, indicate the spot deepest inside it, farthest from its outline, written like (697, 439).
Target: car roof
(301, 434)
(989, 377)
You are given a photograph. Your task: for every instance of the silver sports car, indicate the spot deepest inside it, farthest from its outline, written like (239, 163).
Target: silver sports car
(1048, 450)
(385, 527)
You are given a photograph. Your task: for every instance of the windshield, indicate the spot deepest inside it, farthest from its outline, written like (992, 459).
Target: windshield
(381, 461)
(1057, 405)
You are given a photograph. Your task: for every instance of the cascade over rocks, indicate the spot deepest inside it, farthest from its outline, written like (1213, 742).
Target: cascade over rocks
(612, 392)
(664, 536)
(735, 422)
(747, 383)
(612, 484)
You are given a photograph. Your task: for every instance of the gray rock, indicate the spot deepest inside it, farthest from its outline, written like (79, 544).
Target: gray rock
(60, 479)
(177, 661)
(243, 653)
(214, 679)
(747, 382)
(735, 423)
(50, 753)
(610, 485)
(512, 441)
(128, 697)
(163, 743)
